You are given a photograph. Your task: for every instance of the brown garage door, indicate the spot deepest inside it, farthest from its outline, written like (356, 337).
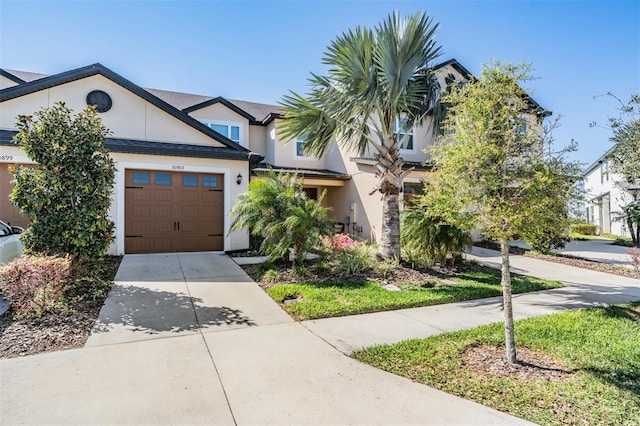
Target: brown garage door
(9, 213)
(173, 212)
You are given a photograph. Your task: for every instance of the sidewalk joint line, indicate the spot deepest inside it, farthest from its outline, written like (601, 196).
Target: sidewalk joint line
(206, 345)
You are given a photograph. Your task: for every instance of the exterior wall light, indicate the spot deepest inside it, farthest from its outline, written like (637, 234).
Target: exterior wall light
(239, 179)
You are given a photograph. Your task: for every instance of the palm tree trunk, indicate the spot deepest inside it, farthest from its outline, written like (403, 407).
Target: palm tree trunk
(390, 233)
(510, 341)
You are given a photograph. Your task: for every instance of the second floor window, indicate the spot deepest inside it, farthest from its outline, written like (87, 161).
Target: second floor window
(604, 172)
(300, 146)
(229, 130)
(404, 133)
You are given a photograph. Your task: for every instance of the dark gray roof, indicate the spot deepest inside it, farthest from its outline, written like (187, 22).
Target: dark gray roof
(95, 69)
(133, 146)
(305, 173)
(416, 165)
(178, 100)
(184, 101)
(259, 111)
(26, 76)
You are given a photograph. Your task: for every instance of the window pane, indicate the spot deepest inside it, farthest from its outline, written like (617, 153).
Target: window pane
(235, 133)
(300, 148)
(408, 144)
(189, 180)
(210, 181)
(142, 178)
(163, 178)
(221, 128)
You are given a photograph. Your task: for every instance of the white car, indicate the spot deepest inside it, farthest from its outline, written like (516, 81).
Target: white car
(10, 244)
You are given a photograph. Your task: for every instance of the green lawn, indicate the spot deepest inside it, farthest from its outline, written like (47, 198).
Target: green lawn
(331, 299)
(582, 237)
(601, 346)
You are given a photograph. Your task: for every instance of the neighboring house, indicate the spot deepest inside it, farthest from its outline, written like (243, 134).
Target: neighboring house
(165, 140)
(606, 193)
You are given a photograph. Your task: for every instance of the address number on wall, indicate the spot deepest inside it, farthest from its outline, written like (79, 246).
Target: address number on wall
(6, 157)
(177, 167)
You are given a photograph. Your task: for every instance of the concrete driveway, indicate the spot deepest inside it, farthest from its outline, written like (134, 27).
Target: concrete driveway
(598, 250)
(190, 339)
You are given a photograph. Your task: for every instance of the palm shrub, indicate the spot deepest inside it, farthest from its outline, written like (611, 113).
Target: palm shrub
(429, 237)
(276, 208)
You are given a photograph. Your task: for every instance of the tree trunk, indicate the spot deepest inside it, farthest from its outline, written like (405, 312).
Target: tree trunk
(510, 341)
(390, 232)
(635, 233)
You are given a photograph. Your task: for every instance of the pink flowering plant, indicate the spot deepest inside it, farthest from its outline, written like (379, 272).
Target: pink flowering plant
(35, 284)
(634, 254)
(340, 242)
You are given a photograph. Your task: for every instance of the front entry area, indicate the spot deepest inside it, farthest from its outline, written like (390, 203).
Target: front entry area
(173, 212)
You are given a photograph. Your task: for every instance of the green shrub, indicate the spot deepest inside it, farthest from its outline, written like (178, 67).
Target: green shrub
(545, 243)
(272, 276)
(353, 260)
(68, 196)
(430, 237)
(583, 228)
(35, 284)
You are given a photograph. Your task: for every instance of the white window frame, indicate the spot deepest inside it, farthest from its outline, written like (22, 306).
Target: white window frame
(522, 126)
(229, 124)
(301, 139)
(396, 126)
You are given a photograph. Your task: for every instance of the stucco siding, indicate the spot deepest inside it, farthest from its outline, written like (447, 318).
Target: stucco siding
(130, 116)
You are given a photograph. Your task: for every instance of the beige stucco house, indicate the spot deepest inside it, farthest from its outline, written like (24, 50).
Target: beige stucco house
(182, 159)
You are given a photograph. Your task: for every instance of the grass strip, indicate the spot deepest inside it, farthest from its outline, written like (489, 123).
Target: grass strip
(331, 299)
(599, 346)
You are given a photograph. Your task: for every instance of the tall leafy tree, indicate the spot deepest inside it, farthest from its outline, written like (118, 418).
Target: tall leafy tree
(379, 84)
(497, 167)
(68, 196)
(276, 208)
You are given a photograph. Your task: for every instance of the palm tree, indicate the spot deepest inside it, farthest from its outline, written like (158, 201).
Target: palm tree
(276, 208)
(376, 79)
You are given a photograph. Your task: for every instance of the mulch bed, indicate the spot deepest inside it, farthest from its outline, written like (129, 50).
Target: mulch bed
(395, 276)
(54, 331)
(532, 365)
(566, 259)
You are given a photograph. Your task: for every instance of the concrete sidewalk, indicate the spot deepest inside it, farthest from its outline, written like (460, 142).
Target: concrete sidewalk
(190, 339)
(584, 288)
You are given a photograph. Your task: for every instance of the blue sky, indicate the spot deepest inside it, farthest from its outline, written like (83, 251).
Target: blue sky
(258, 50)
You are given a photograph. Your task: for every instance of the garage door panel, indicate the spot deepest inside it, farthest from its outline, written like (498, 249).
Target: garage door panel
(139, 227)
(8, 212)
(189, 196)
(163, 195)
(165, 211)
(138, 194)
(172, 217)
(141, 211)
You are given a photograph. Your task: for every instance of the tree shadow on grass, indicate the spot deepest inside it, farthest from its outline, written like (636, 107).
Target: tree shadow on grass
(624, 312)
(154, 311)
